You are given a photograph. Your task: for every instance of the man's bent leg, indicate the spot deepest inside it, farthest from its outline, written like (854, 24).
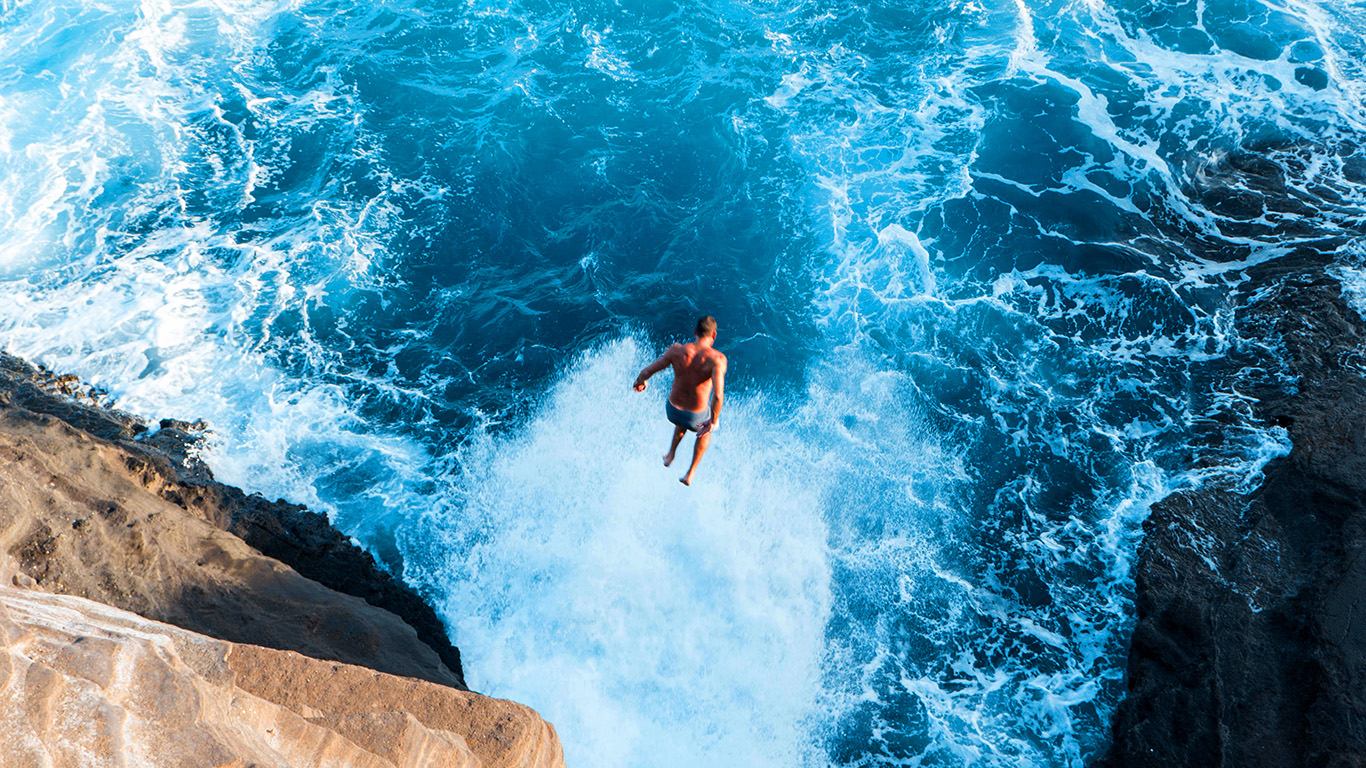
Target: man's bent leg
(673, 446)
(699, 448)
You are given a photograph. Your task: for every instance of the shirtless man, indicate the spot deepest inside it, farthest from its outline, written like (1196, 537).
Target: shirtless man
(697, 366)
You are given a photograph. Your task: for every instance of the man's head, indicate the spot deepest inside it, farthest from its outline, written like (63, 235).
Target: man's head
(706, 327)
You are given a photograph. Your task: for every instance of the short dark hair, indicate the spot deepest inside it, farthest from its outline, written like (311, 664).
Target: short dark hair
(706, 326)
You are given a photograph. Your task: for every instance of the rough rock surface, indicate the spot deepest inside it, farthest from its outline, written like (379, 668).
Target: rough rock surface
(94, 503)
(83, 684)
(1248, 650)
(160, 618)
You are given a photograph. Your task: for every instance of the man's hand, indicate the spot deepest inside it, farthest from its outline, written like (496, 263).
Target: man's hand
(708, 426)
(653, 368)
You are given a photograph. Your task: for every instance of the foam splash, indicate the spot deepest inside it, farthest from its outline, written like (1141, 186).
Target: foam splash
(1352, 280)
(149, 333)
(661, 625)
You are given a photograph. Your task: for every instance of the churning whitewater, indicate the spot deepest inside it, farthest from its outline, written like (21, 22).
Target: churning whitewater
(975, 266)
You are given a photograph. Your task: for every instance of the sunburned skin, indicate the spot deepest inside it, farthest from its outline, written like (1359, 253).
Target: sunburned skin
(694, 365)
(699, 375)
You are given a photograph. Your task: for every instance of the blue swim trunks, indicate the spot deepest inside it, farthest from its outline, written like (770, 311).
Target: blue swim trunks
(691, 420)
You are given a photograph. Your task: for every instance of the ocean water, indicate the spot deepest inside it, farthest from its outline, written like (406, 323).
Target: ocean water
(976, 265)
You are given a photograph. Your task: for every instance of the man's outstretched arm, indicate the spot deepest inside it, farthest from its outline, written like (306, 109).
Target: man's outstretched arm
(653, 368)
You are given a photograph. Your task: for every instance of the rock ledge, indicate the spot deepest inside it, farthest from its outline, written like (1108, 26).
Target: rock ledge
(160, 618)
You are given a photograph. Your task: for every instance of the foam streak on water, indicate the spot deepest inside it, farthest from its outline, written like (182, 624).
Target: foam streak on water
(978, 267)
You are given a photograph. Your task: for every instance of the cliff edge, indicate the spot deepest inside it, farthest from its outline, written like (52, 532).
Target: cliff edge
(85, 684)
(153, 616)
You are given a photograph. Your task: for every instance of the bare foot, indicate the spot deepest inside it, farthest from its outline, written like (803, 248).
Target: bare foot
(685, 480)
(668, 459)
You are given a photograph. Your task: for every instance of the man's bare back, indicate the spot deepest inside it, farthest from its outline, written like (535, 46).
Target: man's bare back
(699, 376)
(694, 365)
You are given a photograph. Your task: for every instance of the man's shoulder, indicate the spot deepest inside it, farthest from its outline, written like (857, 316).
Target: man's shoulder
(718, 356)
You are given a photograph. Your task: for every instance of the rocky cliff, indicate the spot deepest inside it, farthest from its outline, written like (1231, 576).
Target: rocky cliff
(83, 684)
(1248, 650)
(158, 617)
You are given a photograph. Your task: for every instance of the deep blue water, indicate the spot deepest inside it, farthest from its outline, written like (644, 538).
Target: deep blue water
(975, 264)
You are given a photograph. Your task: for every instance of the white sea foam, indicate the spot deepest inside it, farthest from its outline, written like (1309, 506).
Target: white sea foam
(164, 315)
(1352, 280)
(660, 625)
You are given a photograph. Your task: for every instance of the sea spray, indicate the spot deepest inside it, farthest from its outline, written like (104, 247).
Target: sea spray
(692, 619)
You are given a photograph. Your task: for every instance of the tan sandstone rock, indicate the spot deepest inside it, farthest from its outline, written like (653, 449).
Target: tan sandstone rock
(74, 519)
(84, 684)
(109, 528)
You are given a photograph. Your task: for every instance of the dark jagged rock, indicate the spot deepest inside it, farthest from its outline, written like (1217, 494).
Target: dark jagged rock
(295, 535)
(164, 462)
(1250, 642)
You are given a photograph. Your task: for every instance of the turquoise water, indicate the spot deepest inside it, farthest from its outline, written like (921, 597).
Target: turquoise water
(975, 264)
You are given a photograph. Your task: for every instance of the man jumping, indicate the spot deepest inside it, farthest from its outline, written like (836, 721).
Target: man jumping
(699, 372)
